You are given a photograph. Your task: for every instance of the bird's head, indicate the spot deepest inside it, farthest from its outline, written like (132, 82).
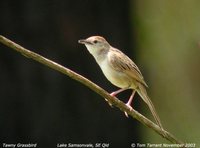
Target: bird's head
(96, 45)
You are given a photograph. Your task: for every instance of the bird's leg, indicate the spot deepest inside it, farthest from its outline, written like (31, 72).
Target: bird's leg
(115, 93)
(130, 101)
(118, 91)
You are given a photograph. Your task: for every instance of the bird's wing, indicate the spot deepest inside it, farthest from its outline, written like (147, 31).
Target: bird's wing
(120, 62)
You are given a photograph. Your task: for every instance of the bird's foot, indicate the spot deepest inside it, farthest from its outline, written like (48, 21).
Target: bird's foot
(109, 103)
(113, 94)
(128, 105)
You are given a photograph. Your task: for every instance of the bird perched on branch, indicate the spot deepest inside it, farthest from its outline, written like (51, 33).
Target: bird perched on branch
(120, 70)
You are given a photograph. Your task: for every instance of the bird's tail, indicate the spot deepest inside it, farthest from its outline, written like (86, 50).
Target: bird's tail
(143, 94)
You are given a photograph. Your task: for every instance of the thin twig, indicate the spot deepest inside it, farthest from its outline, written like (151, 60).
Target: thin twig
(111, 100)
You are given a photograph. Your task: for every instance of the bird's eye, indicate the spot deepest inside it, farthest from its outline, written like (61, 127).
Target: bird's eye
(95, 41)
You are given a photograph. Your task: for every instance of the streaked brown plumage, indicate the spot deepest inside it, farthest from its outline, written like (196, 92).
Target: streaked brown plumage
(120, 70)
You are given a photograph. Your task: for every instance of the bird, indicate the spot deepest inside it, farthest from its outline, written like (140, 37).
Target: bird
(120, 70)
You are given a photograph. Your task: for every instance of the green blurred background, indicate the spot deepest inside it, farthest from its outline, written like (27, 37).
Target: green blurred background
(168, 40)
(40, 105)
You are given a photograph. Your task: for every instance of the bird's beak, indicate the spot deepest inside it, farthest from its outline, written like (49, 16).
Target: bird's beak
(83, 41)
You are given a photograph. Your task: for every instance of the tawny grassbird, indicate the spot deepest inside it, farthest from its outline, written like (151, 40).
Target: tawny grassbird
(120, 70)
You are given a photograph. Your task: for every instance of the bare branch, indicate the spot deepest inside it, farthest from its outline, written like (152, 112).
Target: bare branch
(111, 100)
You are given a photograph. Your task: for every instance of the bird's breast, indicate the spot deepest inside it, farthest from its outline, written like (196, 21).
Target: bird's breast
(117, 78)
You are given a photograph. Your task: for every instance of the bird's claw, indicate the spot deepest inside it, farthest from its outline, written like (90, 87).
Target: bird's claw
(109, 103)
(128, 105)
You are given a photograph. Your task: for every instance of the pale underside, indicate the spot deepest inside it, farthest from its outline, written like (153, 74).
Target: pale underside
(121, 72)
